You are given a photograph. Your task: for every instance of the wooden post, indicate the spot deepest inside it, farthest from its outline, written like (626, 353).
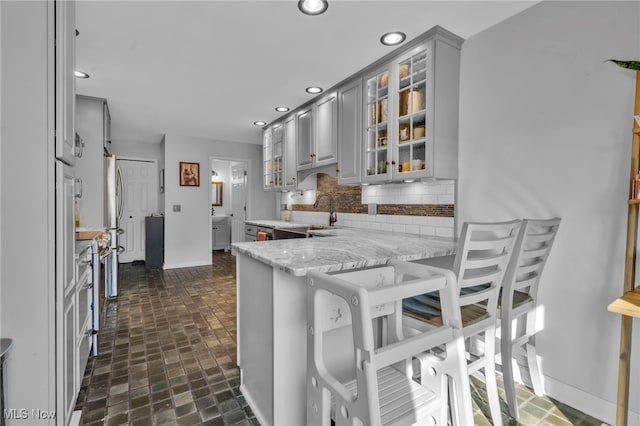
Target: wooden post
(624, 367)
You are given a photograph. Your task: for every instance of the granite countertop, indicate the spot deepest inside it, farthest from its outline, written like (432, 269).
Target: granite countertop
(348, 248)
(277, 224)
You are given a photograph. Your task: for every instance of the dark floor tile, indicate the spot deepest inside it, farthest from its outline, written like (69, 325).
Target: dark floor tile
(167, 356)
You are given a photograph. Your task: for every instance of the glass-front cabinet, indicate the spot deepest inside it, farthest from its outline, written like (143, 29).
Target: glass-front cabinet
(272, 157)
(414, 148)
(404, 105)
(398, 109)
(278, 155)
(376, 155)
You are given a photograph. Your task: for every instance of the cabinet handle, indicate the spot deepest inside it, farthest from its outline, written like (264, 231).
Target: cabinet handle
(80, 188)
(393, 162)
(386, 163)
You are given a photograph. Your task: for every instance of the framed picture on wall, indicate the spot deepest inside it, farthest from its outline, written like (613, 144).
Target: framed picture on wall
(189, 174)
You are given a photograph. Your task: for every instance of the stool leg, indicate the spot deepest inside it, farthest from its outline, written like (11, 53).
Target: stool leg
(506, 353)
(532, 358)
(490, 376)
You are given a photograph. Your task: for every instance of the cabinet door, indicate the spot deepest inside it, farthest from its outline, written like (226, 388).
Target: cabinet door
(290, 168)
(278, 155)
(350, 133)
(65, 289)
(106, 126)
(304, 131)
(267, 159)
(326, 136)
(377, 156)
(65, 83)
(413, 130)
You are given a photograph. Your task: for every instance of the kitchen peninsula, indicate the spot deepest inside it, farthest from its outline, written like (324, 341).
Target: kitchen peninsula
(271, 305)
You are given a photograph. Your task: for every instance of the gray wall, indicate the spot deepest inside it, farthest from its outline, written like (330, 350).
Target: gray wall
(187, 233)
(545, 130)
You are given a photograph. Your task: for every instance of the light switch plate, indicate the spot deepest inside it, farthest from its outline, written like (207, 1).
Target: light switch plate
(373, 208)
(176, 208)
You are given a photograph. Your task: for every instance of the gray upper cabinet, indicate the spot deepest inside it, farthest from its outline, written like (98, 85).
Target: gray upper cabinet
(92, 124)
(317, 131)
(411, 128)
(326, 131)
(350, 133)
(395, 120)
(267, 159)
(304, 133)
(65, 80)
(290, 169)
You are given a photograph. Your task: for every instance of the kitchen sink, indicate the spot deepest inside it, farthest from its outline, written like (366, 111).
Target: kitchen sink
(217, 219)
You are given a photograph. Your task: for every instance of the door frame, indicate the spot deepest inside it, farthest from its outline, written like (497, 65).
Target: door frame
(247, 161)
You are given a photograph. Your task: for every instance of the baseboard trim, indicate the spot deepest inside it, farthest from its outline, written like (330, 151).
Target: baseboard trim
(585, 402)
(186, 265)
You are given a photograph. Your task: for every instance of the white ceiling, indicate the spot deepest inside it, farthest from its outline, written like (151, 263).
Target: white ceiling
(211, 68)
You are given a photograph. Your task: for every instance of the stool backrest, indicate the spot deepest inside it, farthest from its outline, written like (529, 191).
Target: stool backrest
(484, 252)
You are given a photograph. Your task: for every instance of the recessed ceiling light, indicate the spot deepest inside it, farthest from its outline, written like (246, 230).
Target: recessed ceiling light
(313, 90)
(393, 38)
(260, 123)
(282, 109)
(313, 7)
(81, 74)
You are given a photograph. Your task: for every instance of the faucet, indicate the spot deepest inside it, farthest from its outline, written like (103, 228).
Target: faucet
(333, 216)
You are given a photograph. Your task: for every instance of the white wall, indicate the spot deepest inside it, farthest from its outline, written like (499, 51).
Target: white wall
(544, 131)
(188, 233)
(27, 175)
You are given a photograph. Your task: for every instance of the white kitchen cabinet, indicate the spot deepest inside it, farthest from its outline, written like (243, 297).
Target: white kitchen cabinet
(92, 124)
(267, 159)
(83, 300)
(304, 137)
(350, 133)
(66, 308)
(272, 155)
(65, 34)
(220, 234)
(411, 113)
(290, 169)
(317, 133)
(326, 130)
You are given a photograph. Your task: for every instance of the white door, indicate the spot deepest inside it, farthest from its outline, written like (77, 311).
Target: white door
(140, 200)
(238, 201)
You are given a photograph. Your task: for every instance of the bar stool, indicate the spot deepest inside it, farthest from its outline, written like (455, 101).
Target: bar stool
(483, 253)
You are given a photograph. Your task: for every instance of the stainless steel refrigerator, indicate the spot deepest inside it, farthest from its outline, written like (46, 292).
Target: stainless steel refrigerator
(114, 204)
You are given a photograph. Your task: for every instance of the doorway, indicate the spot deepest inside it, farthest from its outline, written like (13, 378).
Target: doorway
(228, 199)
(140, 179)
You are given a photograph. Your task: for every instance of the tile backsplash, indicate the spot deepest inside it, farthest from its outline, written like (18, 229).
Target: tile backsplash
(425, 208)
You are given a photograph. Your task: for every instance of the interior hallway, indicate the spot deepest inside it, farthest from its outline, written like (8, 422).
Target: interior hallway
(167, 356)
